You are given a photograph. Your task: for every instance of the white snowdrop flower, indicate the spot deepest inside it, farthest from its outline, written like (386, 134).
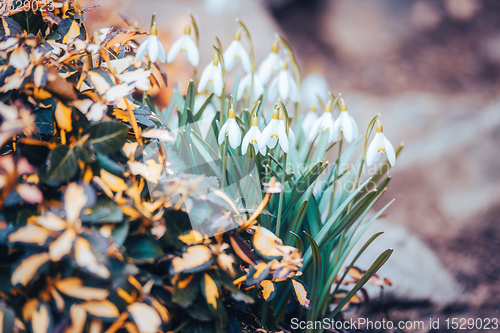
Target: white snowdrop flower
(208, 115)
(152, 46)
(246, 84)
(253, 137)
(346, 124)
(324, 123)
(185, 45)
(212, 74)
(235, 52)
(273, 133)
(313, 86)
(309, 119)
(291, 135)
(379, 145)
(284, 85)
(231, 130)
(271, 64)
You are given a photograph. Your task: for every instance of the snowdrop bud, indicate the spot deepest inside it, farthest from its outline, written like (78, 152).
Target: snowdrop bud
(187, 29)
(275, 47)
(237, 35)
(275, 114)
(328, 106)
(153, 30)
(343, 107)
(255, 121)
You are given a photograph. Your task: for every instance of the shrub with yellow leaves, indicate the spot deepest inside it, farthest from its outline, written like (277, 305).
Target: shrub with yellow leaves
(117, 215)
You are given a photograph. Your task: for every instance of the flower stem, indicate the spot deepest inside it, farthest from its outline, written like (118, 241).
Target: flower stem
(145, 94)
(224, 163)
(336, 177)
(280, 205)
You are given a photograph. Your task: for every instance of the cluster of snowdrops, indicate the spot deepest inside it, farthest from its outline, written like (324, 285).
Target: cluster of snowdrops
(85, 243)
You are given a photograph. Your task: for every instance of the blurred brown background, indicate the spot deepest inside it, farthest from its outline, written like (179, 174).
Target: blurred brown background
(432, 69)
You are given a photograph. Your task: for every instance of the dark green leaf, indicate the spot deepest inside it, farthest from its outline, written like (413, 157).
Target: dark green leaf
(62, 163)
(31, 21)
(143, 249)
(108, 137)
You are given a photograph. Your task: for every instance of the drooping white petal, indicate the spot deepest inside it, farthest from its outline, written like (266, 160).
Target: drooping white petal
(223, 133)
(235, 52)
(284, 85)
(291, 134)
(347, 125)
(273, 89)
(283, 138)
(205, 77)
(243, 85)
(162, 55)
(246, 83)
(153, 48)
(354, 127)
(262, 149)
(294, 90)
(291, 137)
(334, 135)
(315, 130)
(245, 59)
(230, 55)
(192, 53)
(217, 82)
(141, 51)
(252, 134)
(270, 65)
(258, 87)
(309, 121)
(206, 120)
(373, 152)
(269, 138)
(389, 149)
(175, 49)
(234, 133)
